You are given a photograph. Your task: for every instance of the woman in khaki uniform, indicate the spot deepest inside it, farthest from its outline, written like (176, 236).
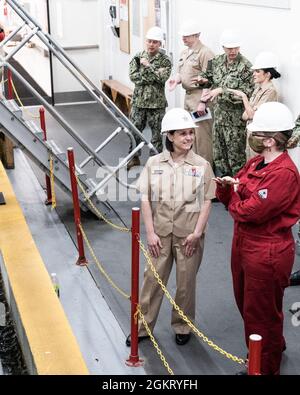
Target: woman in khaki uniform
(176, 190)
(264, 70)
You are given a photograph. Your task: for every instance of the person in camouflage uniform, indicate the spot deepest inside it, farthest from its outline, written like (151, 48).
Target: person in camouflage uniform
(229, 70)
(149, 70)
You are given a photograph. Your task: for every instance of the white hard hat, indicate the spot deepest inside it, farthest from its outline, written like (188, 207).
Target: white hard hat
(265, 60)
(189, 28)
(177, 119)
(155, 33)
(272, 117)
(229, 39)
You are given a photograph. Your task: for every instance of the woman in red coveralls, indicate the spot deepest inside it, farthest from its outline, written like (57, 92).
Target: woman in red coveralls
(264, 201)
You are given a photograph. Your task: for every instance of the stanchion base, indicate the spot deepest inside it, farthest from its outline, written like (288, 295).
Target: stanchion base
(81, 261)
(48, 202)
(134, 362)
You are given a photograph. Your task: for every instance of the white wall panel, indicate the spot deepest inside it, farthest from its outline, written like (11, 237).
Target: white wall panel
(77, 23)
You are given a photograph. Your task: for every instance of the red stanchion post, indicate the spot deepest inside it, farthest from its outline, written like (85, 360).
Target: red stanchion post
(5, 9)
(48, 201)
(81, 260)
(254, 363)
(9, 85)
(134, 359)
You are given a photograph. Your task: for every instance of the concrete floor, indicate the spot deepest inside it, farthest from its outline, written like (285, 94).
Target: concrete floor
(216, 316)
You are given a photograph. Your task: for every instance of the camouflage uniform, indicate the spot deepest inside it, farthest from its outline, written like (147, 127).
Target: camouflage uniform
(296, 130)
(229, 135)
(149, 101)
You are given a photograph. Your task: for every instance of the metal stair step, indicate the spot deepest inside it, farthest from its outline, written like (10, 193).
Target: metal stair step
(35, 129)
(91, 183)
(57, 150)
(13, 107)
(80, 174)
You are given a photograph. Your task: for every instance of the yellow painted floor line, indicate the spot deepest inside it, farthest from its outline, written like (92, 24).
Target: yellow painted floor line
(52, 344)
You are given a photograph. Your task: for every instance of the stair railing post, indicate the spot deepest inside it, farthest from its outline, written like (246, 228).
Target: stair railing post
(81, 260)
(48, 201)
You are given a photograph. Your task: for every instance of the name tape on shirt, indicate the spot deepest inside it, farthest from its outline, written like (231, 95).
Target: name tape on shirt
(157, 171)
(193, 172)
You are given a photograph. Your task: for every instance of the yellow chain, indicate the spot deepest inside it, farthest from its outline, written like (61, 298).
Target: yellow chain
(138, 311)
(158, 350)
(100, 215)
(21, 104)
(100, 266)
(52, 184)
(176, 307)
(184, 317)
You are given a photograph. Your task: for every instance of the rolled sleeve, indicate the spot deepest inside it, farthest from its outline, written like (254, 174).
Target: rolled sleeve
(143, 184)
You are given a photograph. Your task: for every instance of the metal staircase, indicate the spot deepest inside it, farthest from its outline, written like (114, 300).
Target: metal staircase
(28, 136)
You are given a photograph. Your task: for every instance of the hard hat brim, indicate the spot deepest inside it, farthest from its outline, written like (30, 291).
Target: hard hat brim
(185, 34)
(262, 67)
(231, 45)
(255, 128)
(191, 125)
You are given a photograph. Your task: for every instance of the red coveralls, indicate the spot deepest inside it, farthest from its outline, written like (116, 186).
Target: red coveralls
(265, 207)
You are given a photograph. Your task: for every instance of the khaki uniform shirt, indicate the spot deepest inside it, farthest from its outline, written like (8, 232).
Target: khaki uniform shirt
(263, 94)
(191, 63)
(176, 191)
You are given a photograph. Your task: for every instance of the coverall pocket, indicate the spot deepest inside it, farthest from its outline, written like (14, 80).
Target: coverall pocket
(257, 259)
(258, 302)
(283, 260)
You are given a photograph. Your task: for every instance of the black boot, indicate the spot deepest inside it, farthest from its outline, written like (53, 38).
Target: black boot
(140, 338)
(295, 278)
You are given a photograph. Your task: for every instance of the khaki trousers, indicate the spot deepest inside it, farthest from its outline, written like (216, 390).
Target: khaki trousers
(186, 269)
(203, 134)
